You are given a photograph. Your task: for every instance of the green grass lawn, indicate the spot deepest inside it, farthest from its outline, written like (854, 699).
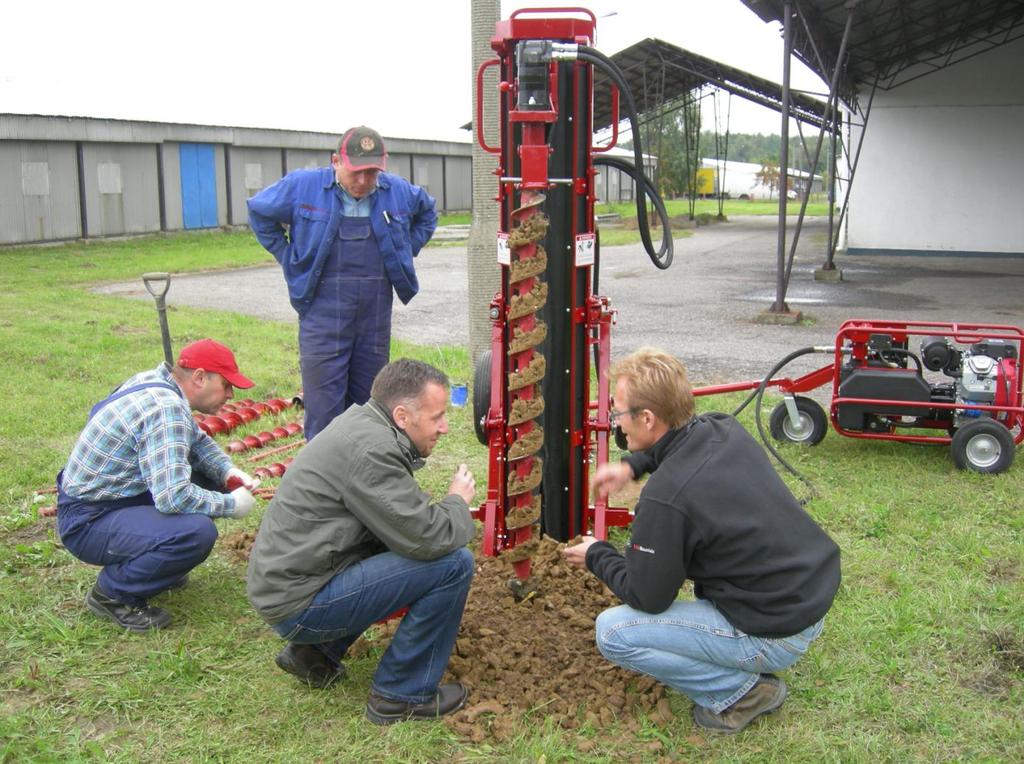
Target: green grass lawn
(679, 207)
(922, 658)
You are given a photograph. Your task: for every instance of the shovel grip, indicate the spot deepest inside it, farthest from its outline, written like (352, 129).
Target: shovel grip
(153, 280)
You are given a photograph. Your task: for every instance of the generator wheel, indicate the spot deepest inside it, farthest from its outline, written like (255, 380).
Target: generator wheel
(808, 430)
(481, 395)
(983, 445)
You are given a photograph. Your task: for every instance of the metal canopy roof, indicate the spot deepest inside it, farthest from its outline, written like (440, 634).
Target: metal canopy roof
(895, 41)
(662, 76)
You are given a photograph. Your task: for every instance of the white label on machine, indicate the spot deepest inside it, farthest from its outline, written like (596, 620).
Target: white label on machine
(585, 245)
(504, 254)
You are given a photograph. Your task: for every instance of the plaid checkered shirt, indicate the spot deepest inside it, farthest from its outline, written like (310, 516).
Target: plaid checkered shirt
(148, 440)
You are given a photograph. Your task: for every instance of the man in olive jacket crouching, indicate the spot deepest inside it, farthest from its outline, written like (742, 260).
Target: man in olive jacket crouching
(350, 538)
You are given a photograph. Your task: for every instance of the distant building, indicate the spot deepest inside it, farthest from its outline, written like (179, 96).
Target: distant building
(77, 177)
(745, 180)
(611, 184)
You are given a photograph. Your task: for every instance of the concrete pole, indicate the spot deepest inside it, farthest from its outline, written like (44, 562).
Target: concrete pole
(484, 274)
(780, 286)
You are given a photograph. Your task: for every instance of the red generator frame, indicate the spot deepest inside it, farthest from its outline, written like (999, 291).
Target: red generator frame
(880, 392)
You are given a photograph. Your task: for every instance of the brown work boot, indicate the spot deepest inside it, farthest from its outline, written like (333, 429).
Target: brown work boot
(766, 696)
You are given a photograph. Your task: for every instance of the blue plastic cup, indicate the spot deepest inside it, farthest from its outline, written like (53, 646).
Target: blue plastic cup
(459, 394)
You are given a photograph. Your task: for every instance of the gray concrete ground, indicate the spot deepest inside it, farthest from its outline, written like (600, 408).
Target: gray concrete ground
(703, 308)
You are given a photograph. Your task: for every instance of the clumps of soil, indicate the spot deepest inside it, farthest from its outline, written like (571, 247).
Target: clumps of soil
(536, 659)
(532, 661)
(238, 545)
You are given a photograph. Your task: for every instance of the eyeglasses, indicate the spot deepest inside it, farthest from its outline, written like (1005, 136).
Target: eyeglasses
(613, 415)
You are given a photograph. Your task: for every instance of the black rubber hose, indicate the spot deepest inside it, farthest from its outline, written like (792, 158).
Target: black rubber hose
(661, 258)
(907, 354)
(758, 396)
(768, 377)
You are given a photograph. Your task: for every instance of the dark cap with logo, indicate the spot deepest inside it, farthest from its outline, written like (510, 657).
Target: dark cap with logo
(362, 148)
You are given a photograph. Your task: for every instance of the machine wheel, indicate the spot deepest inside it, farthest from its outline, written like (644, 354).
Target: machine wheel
(983, 445)
(809, 430)
(481, 395)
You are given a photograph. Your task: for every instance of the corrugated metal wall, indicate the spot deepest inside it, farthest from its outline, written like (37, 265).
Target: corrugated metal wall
(38, 192)
(458, 183)
(250, 170)
(120, 188)
(70, 177)
(305, 159)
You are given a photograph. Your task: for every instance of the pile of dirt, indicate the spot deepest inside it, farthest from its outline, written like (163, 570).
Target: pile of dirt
(535, 656)
(538, 655)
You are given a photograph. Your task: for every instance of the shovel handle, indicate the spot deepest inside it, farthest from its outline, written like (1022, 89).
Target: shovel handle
(151, 279)
(152, 282)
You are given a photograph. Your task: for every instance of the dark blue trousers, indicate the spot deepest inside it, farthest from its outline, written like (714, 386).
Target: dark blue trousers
(345, 335)
(143, 551)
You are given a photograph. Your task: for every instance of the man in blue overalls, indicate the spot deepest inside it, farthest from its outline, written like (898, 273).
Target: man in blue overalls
(353, 231)
(143, 482)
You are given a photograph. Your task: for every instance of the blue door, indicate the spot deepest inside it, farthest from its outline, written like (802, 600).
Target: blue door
(198, 186)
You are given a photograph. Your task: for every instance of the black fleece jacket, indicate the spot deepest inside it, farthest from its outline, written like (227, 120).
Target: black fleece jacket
(714, 510)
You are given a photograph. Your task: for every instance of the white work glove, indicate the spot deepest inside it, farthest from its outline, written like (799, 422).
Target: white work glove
(244, 502)
(246, 479)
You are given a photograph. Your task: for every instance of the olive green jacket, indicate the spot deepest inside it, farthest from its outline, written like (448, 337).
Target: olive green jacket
(349, 494)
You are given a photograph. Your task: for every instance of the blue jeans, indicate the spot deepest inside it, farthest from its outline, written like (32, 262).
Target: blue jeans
(434, 591)
(692, 648)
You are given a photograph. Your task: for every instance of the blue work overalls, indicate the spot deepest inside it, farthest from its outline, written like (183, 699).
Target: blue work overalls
(143, 551)
(345, 336)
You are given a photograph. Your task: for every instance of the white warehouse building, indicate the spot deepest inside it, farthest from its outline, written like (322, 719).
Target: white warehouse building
(942, 164)
(745, 180)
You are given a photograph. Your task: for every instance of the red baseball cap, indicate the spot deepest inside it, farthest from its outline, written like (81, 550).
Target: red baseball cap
(362, 148)
(212, 356)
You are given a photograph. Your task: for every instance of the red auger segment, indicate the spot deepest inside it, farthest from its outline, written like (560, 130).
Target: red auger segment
(232, 415)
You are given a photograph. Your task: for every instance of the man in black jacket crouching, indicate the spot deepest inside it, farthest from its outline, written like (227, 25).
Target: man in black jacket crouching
(714, 511)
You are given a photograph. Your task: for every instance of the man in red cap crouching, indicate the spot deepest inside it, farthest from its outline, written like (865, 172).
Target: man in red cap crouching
(143, 482)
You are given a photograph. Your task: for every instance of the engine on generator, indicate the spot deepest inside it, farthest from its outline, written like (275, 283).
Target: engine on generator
(984, 374)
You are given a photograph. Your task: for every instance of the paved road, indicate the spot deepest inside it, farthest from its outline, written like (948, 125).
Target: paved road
(703, 308)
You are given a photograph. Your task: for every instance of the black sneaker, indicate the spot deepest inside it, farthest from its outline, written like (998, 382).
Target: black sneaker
(310, 665)
(766, 696)
(449, 698)
(131, 617)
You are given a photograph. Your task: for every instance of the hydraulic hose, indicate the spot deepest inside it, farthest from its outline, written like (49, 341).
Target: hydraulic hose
(662, 257)
(757, 396)
(906, 354)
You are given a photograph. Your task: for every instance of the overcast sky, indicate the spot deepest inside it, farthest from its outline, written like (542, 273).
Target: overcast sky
(401, 66)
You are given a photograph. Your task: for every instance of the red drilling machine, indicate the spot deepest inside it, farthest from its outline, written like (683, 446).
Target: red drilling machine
(534, 399)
